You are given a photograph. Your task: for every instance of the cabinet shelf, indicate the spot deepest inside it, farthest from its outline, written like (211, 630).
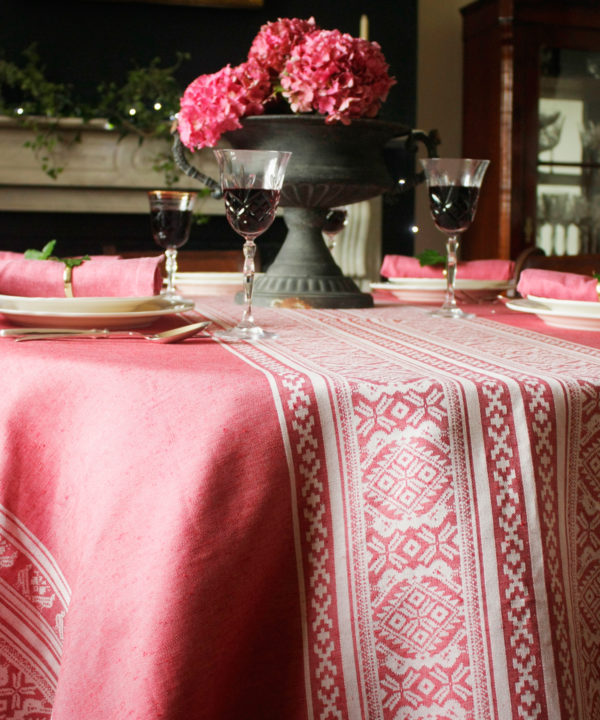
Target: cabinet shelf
(589, 171)
(557, 163)
(569, 88)
(559, 179)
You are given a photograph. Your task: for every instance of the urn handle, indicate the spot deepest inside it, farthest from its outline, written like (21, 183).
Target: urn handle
(191, 171)
(430, 140)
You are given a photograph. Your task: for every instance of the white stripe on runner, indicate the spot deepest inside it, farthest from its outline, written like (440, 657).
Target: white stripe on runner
(534, 533)
(487, 575)
(341, 550)
(367, 666)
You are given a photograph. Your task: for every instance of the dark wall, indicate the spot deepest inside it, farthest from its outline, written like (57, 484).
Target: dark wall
(85, 43)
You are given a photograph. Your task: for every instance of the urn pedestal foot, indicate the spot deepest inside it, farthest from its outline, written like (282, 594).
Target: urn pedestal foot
(304, 269)
(322, 292)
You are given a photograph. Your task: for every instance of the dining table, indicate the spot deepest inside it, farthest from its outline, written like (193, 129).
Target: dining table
(378, 515)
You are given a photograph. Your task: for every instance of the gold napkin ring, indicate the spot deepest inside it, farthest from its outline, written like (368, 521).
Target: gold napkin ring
(67, 277)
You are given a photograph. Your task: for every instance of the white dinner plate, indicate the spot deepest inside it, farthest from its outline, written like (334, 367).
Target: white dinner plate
(570, 314)
(209, 283)
(84, 304)
(433, 290)
(580, 307)
(89, 312)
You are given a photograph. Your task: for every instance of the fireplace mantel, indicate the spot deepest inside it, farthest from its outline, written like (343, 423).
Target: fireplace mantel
(102, 172)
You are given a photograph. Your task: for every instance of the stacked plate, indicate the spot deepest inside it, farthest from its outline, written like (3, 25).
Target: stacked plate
(209, 283)
(432, 291)
(105, 312)
(571, 314)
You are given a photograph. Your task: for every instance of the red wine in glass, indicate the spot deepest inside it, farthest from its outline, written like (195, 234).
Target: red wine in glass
(250, 211)
(453, 185)
(170, 228)
(453, 207)
(335, 220)
(170, 222)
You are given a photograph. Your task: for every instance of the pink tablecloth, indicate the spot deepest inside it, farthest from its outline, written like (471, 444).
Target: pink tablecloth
(381, 515)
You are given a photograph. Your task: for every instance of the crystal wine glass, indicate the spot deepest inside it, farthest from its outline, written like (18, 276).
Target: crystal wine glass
(453, 185)
(171, 220)
(335, 221)
(251, 182)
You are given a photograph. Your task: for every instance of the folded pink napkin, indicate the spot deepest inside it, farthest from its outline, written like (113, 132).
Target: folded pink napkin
(102, 276)
(403, 266)
(557, 285)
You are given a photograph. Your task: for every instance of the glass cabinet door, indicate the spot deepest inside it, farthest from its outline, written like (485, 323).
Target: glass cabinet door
(568, 167)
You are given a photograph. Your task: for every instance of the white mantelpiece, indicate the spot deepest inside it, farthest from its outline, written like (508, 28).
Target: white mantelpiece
(102, 173)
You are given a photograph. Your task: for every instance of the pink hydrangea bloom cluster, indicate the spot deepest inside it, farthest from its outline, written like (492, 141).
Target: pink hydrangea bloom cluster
(273, 45)
(314, 70)
(339, 76)
(214, 104)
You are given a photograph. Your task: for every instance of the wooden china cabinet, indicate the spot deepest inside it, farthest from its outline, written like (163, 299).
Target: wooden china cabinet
(531, 104)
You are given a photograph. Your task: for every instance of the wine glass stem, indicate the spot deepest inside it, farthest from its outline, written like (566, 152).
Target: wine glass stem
(451, 262)
(171, 267)
(248, 270)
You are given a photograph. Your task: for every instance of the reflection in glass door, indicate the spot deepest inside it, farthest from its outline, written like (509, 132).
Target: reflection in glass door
(568, 183)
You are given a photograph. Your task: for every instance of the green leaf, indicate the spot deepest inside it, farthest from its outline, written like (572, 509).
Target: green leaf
(431, 257)
(74, 262)
(46, 254)
(42, 254)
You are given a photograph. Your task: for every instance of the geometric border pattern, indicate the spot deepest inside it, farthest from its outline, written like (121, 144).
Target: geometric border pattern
(34, 598)
(405, 475)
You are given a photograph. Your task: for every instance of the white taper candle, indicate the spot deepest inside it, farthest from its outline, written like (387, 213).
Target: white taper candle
(364, 27)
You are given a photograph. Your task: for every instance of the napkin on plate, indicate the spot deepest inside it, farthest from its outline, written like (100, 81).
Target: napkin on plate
(557, 285)
(102, 276)
(403, 266)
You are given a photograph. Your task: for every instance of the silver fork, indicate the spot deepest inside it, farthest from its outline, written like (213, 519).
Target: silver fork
(168, 336)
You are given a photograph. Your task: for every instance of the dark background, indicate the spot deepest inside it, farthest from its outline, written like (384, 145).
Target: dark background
(85, 43)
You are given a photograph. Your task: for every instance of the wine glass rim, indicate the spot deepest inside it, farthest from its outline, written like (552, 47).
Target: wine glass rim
(454, 171)
(249, 151)
(455, 159)
(172, 193)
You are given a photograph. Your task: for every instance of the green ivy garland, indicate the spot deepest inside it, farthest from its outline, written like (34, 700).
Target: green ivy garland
(144, 105)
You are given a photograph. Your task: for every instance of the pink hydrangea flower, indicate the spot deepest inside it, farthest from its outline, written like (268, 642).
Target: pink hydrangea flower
(323, 71)
(337, 75)
(213, 104)
(275, 40)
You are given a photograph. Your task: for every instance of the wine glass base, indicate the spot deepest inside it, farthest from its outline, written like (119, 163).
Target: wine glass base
(451, 312)
(172, 296)
(237, 334)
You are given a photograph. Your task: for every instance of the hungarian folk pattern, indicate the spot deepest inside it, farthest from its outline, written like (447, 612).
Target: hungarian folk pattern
(34, 601)
(424, 540)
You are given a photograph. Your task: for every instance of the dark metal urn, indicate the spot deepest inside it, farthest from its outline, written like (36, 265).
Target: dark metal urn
(331, 165)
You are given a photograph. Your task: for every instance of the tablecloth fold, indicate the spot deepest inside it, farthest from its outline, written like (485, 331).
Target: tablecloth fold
(403, 266)
(101, 276)
(557, 285)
